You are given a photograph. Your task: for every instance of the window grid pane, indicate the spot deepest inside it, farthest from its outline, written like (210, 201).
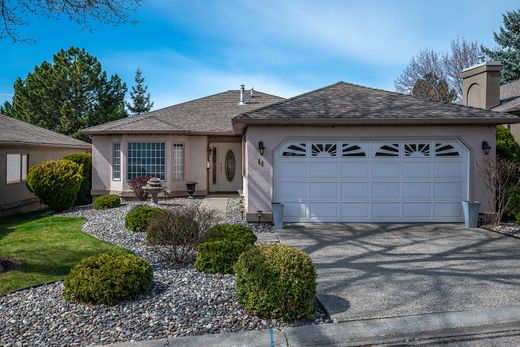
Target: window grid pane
(116, 161)
(25, 166)
(146, 159)
(13, 168)
(178, 161)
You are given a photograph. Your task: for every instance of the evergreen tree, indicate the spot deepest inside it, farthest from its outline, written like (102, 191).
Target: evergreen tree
(434, 88)
(139, 94)
(69, 94)
(508, 38)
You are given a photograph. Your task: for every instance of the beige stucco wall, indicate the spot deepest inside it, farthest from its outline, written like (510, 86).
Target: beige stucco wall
(195, 150)
(14, 195)
(258, 181)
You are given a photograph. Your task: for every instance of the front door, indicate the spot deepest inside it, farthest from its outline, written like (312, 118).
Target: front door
(225, 165)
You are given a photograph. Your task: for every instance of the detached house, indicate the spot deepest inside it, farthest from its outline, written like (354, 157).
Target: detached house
(342, 153)
(23, 145)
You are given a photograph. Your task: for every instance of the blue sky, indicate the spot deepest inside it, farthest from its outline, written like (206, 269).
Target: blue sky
(191, 48)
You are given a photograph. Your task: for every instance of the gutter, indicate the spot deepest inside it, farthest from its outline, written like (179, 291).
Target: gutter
(239, 124)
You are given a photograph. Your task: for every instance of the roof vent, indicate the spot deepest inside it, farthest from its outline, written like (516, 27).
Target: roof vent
(252, 92)
(242, 96)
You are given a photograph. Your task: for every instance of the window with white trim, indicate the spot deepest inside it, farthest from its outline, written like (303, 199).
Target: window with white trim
(17, 166)
(116, 161)
(145, 159)
(178, 161)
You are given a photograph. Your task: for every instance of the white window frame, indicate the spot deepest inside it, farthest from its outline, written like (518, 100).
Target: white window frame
(114, 164)
(23, 166)
(129, 172)
(178, 173)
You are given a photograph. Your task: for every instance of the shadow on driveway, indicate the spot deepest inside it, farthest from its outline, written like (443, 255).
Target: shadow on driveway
(383, 270)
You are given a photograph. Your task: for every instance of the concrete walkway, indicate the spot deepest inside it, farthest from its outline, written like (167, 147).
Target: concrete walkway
(216, 203)
(461, 326)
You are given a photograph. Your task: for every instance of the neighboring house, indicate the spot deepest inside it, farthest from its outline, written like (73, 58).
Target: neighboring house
(342, 153)
(23, 145)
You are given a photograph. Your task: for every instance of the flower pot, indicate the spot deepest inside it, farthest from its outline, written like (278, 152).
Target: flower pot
(471, 209)
(277, 208)
(190, 188)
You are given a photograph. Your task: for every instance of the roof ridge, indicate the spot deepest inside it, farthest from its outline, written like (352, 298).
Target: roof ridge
(289, 99)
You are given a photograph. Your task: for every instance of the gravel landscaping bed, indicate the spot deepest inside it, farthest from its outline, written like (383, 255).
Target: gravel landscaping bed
(182, 302)
(505, 228)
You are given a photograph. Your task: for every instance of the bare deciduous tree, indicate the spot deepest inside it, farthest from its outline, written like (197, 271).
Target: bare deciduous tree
(502, 179)
(446, 66)
(16, 13)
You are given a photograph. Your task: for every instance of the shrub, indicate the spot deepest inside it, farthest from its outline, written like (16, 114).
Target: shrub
(108, 278)
(85, 159)
(177, 232)
(56, 183)
(276, 281)
(107, 201)
(232, 232)
(138, 218)
(506, 146)
(136, 184)
(219, 256)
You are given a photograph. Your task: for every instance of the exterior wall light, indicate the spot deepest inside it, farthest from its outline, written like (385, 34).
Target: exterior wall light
(486, 147)
(261, 147)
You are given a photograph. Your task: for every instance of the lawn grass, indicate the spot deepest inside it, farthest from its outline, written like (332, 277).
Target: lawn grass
(46, 247)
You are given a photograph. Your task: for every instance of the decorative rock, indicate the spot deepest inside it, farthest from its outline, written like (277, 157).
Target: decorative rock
(182, 302)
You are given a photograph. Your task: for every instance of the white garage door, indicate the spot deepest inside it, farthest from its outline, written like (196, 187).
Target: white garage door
(390, 181)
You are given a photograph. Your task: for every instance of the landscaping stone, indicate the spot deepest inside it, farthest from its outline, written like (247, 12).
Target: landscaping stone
(182, 302)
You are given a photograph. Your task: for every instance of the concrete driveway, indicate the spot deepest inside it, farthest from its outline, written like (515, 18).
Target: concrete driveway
(385, 270)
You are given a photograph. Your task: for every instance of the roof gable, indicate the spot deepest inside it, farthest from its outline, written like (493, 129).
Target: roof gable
(345, 102)
(14, 132)
(509, 97)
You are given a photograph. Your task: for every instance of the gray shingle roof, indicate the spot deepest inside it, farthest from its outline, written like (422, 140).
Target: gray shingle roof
(345, 103)
(509, 97)
(16, 132)
(208, 115)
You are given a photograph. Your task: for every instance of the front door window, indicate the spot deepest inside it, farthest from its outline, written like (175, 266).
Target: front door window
(230, 165)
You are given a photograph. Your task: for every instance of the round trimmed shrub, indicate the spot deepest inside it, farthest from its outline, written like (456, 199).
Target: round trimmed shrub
(218, 256)
(138, 218)
(276, 281)
(231, 232)
(56, 183)
(85, 159)
(107, 201)
(108, 278)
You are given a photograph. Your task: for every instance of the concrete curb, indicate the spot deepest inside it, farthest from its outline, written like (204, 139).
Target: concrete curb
(360, 332)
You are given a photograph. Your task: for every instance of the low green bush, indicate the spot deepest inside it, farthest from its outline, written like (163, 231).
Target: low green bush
(138, 218)
(55, 183)
(276, 281)
(107, 201)
(84, 159)
(218, 256)
(231, 232)
(108, 278)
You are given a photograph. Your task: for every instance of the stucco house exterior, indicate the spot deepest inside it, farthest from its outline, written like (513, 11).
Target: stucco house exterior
(341, 153)
(23, 145)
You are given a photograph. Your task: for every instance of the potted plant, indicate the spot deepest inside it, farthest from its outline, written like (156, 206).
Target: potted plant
(190, 187)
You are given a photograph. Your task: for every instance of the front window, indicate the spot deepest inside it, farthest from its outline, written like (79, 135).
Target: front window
(178, 161)
(17, 165)
(116, 161)
(146, 159)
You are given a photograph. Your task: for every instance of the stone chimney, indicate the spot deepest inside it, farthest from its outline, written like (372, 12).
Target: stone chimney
(481, 85)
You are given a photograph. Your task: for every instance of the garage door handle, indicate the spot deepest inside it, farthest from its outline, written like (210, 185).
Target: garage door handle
(220, 167)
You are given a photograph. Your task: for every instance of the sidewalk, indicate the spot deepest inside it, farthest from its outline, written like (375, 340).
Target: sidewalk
(360, 332)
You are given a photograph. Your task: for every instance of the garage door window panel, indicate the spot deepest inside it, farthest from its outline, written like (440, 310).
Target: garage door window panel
(295, 150)
(323, 150)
